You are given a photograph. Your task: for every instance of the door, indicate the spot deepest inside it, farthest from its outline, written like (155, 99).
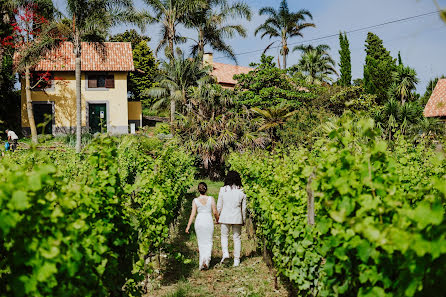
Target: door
(43, 116)
(97, 118)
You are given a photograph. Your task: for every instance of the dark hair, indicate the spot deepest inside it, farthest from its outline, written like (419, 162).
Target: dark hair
(202, 188)
(233, 179)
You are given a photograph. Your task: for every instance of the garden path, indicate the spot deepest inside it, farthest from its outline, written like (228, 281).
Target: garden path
(252, 278)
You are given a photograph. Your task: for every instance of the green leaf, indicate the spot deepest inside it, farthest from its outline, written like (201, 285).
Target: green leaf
(19, 200)
(45, 271)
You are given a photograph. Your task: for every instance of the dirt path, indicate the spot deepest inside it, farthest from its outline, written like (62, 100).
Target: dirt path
(177, 279)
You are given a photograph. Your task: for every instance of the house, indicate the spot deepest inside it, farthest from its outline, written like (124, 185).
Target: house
(105, 105)
(436, 106)
(224, 73)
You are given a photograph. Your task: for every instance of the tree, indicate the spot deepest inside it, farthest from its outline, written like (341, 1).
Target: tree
(130, 36)
(212, 128)
(33, 36)
(268, 86)
(400, 60)
(9, 106)
(346, 62)
(395, 115)
(146, 66)
(211, 24)
(273, 118)
(90, 21)
(404, 82)
(378, 65)
(144, 77)
(316, 64)
(175, 79)
(283, 24)
(170, 13)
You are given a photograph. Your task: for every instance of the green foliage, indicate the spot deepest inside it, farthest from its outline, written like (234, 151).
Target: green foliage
(404, 83)
(157, 176)
(283, 24)
(351, 98)
(379, 213)
(145, 64)
(81, 225)
(212, 25)
(378, 65)
(144, 76)
(346, 61)
(315, 64)
(377, 242)
(131, 36)
(174, 81)
(275, 185)
(268, 86)
(162, 128)
(63, 237)
(211, 128)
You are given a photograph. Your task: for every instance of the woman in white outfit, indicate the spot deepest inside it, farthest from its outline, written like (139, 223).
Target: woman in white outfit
(231, 207)
(204, 225)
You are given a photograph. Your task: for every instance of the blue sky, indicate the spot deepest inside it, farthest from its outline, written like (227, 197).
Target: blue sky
(422, 41)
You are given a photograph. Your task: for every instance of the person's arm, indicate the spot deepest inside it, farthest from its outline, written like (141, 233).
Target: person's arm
(244, 209)
(192, 216)
(214, 210)
(220, 202)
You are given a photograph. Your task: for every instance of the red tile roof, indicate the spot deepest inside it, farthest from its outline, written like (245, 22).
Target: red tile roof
(224, 73)
(436, 106)
(107, 56)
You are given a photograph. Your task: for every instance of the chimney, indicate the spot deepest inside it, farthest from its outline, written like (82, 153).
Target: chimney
(208, 58)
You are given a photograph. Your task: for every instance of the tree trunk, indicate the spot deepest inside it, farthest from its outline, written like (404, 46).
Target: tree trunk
(285, 51)
(78, 101)
(29, 105)
(201, 43)
(310, 201)
(284, 60)
(172, 112)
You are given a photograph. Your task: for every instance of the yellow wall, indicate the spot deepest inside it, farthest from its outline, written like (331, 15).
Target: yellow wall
(135, 111)
(63, 94)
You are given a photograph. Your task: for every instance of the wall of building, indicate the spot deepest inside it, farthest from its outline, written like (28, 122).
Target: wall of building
(135, 113)
(63, 94)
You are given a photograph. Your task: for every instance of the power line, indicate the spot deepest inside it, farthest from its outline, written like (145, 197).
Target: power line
(337, 34)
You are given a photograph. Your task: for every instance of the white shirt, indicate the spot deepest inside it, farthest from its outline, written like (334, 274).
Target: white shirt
(231, 206)
(12, 135)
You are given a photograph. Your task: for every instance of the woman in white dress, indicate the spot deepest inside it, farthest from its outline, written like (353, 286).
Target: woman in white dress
(204, 225)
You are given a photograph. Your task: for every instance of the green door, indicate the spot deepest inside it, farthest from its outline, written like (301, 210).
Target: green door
(97, 118)
(43, 116)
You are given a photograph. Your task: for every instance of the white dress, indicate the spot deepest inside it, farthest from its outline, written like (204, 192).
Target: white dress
(204, 228)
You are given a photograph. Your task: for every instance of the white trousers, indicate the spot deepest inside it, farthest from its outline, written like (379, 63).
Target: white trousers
(236, 231)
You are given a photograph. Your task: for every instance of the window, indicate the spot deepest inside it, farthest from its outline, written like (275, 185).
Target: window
(101, 81)
(41, 80)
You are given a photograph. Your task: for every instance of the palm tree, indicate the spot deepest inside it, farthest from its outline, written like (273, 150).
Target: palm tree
(36, 36)
(394, 115)
(322, 48)
(273, 118)
(316, 64)
(212, 129)
(89, 21)
(170, 13)
(405, 80)
(284, 24)
(211, 23)
(175, 79)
